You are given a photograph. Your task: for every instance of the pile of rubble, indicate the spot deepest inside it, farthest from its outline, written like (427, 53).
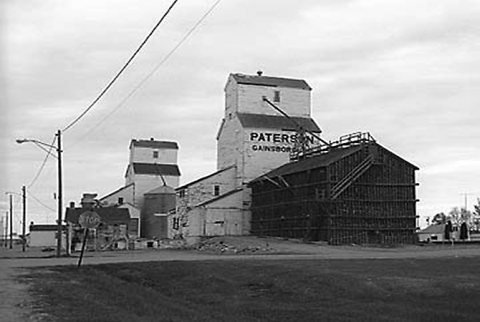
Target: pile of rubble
(226, 245)
(171, 244)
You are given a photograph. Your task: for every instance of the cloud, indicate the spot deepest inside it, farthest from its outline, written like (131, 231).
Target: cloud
(408, 72)
(453, 164)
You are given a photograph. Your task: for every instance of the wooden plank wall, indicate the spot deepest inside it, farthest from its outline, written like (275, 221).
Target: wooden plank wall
(379, 207)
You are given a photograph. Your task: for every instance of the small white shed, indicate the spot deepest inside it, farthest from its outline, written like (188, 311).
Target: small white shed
(45, 235)
(433, 233)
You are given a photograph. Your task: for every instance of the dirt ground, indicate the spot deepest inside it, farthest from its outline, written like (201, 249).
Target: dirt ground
(15, 299)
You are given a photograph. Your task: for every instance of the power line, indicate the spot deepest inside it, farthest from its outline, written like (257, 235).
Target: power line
(40, 202)
(149, 75)
(121, 70)
(49, 153)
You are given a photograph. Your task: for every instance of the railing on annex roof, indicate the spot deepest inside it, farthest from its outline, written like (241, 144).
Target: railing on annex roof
(345, 141)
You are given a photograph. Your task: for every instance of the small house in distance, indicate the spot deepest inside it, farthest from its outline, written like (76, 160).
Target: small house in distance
(44, 235)
(353, 191)
(433, 233)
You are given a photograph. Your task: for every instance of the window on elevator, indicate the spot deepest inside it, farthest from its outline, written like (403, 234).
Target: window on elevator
(216, 190)
(181, 193)
(276, 96)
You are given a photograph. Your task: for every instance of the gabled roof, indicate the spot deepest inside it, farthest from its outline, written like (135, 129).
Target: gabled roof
(126, 204)
(161, 190)
(271, 81)
(117, 191)
(156, 169)
(203, 178)
(231, 192)
(322, 160)
(109, 215)
(311, 163)
(433, 229)
(154, 144)
(276, 122)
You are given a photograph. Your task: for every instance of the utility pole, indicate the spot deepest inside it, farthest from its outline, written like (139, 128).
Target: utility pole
(3, 221)
(466, 218)
(60, 195)
(24, 203)
(11, 221)
(6, 230)
(466, 194)
(58, 148)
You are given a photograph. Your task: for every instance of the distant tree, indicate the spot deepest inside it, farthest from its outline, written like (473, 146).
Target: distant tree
(463, 231)
(448, 229)
(458, 216)
(475, 226)
(455, 215)
(476, 212)
(465, 215)
(439, 219)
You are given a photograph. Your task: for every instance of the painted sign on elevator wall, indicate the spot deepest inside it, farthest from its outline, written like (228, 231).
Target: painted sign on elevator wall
(274, 141)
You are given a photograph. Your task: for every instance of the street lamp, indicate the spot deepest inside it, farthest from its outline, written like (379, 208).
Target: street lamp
(58, 148)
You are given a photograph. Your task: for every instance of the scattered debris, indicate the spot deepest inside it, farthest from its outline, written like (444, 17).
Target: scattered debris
(231, 245)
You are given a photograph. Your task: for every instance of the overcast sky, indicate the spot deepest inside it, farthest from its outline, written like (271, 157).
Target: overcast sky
(408, 72)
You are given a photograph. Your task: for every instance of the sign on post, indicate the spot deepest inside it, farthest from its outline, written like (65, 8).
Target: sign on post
(88, 220)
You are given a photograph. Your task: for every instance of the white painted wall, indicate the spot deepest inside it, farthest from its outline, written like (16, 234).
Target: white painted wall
(45, 239)
(265, 155)
(225, 216)
(145, 155)
(203, 190)
(245, 98)
(294, 102)
(231, 97)
(229, 143)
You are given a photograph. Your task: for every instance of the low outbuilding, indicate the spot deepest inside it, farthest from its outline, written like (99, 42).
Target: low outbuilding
(44, 235)
(112, 233)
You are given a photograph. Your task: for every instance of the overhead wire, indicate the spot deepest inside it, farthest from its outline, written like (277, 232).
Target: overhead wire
(29, 194)
(48, 154)
(121, 70)
(102, 93)
(139, 85)
(149, 75)
(48, 151)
